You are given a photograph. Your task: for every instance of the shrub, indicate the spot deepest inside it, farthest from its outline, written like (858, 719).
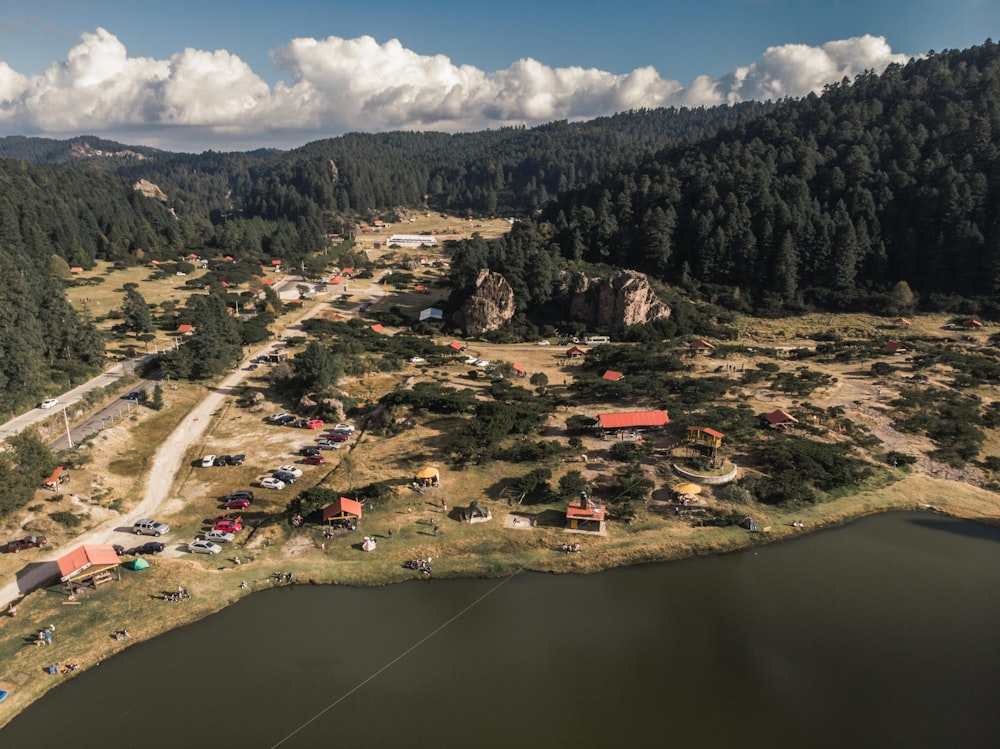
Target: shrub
(66, 518)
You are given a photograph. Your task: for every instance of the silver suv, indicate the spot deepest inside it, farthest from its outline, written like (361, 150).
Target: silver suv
(150, 528)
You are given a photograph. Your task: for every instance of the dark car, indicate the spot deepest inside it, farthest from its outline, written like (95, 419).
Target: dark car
(241, 494)
(314, 460)
(119, 549)
(150, 547)
(284, 476)
(28, 542)
(336, 436)
(223, 460)
(284, 420)
(237, 460)
(135, 395)
(238, 503)
(309, 450)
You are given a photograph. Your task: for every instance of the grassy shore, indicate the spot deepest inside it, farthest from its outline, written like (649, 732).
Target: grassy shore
(85, 626)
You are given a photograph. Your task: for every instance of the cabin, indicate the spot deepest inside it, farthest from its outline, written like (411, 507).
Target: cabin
(701, 347)
(519, 370)
(902, 322)
(778, 420)
(377, 328)
(431, 313)
(704, 437)
(971, 322)
(185, 329)
(612, 376)
(585, 515)
(457, 346)
(89, 566)
(894, 347)
(59, 475)
(343, 511)
(575, 352)
(632, 421)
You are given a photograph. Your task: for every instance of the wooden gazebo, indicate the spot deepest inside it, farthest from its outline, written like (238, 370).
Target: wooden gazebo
(89, 565)
(342, 510)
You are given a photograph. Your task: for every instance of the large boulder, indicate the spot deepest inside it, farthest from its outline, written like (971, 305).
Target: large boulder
(489, 307)
(614, 303)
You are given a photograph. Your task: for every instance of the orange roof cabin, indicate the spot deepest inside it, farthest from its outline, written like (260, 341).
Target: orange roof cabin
(612, 376)
(701, 346)
(633, 420)
(185, 329)
(337, 280)
(53, 481)
(347, 272)
(519, 368)
(377, 327)
(894, 347)
(778, 420)
(342, 510)
(457, 346)
(902, 322)
(575, 352)
(584, 514)
(971, 322)
(89, 565)
(76, 269)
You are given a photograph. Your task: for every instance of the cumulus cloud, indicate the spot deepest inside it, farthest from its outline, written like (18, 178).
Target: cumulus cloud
(337, 85)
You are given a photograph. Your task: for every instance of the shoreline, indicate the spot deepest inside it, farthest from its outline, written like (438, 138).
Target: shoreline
(84, 633)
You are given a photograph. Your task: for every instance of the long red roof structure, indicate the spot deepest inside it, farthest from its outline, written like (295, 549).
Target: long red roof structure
(634, 419)
(85, 557)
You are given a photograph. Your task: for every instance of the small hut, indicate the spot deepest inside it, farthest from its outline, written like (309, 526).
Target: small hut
(701, 346)
(575, 352)
(778, 420)
(585, 515)
(612, 376)
(344, 511)
(429, 476)
(89, 565)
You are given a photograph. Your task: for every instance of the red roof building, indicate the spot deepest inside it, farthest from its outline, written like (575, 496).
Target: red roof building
(634, 420)
(457, 346)
(585, 514)
(701, 345)
(347, 271)
(575, 352)
(337, 280)
(519, 368)
(185, 328)
(612, 376)
(275, 263)
(902, 321)
(342, 509)
(76, 269)
(894, 347)
(971, 322)
(87, 558)
(377, 327)
(779, 417)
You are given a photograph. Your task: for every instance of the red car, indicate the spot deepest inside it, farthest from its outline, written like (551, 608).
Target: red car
(30, 542)
(229, 526)
(233, 517)
(313, 460)
(314, 424)
(237, 503)
(336, 437)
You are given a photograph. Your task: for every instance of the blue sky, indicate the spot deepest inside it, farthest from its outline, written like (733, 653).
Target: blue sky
(225, 73)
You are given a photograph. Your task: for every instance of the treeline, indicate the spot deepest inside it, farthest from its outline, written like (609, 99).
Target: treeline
(827, 200)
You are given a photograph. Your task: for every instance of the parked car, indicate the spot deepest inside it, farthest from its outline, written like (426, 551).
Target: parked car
(119, 549)
(28, 542)
(208, 461)
(313, 460)
(275, 418)
(48, 403)
(233, 516)
(148, 527)
(325, 444)
(238, 503)
(294, 470)
(311, 423)
(223, 460)
(203, 546)
(417, 360)
(135, 395)
(285, 420)
(338, 436)
(343, 428)
(237, 460)
(228, 526)
(269, 482)
(309, 451)
(219, 537)
(285, 478)
(544, 342)
(240, 494)
(150, 547)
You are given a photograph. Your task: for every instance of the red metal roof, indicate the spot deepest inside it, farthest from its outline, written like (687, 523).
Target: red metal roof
(894, 346)
(589, 510)
(706, 430)
(700, 343)
(576, 350)
(347, 271)
(519, 367)
(337, 280)
(185, 328)
(377, 327)
(456, 345)
(779, 417)
(612, 375)
(341, 507)
(634, 419)
(83, 557)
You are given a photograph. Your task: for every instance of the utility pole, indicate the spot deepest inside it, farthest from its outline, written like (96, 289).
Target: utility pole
(69, 437)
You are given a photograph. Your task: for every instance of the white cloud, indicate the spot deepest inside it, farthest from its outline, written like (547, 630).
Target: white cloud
(339, 85)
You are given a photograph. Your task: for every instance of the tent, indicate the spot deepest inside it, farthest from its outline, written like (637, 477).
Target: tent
(137, 564)
(429, 476)
(688, 488)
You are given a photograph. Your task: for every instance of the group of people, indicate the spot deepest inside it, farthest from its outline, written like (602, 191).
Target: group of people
(285, 577)
(422, 565)
(569, 548)
(122, 634)
(180, 595)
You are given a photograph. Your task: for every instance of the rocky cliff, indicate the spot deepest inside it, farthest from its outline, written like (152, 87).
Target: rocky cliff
(491, 305)
(614, 303)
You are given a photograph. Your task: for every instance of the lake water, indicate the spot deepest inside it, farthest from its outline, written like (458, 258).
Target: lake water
(879, 634)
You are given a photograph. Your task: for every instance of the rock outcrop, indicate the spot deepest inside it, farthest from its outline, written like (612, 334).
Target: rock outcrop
(614, 303)
(491, 305)
(150, 190)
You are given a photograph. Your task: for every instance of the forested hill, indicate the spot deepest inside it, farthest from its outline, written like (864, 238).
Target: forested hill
(892, 177)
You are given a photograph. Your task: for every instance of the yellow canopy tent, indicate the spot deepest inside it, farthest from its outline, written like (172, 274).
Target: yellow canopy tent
(429, 475)
(688, 488)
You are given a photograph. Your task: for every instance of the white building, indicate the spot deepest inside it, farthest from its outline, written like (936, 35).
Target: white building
(412, 240)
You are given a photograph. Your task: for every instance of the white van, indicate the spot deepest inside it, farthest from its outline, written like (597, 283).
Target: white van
(596, 340)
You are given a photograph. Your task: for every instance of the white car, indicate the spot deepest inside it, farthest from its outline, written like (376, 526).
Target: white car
(269, 482)
(481, 363)
(208, 461)
(294, 470)
(471, 360)
(544, 342)
(343, 428)
(202, 546)
(48, 403)
(417, 360)
(222, 537)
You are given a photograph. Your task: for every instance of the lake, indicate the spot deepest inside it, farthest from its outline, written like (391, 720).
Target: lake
(878, 634)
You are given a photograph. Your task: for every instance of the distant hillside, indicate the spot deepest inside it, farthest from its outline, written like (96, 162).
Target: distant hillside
(827, 200)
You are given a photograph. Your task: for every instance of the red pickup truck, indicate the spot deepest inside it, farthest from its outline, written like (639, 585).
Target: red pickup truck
(28, 542)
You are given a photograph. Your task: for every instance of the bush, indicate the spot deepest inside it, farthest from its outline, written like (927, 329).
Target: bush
(66, 518)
